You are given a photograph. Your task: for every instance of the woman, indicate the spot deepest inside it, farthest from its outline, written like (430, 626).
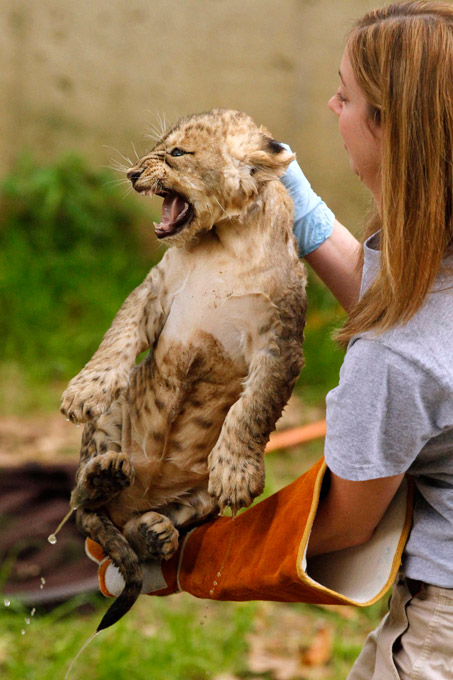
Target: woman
(392, 412)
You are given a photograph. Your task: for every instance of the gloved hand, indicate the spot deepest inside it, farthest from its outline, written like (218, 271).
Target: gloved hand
(313, 220)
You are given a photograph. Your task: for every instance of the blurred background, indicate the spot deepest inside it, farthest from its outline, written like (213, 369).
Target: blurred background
(83, 83)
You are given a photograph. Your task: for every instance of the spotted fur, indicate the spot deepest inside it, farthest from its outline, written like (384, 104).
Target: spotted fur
(170, 441)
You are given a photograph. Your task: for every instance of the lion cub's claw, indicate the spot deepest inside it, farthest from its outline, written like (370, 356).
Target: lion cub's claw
(102, 478)
(153, 536)
(235, 482)
(90, 394)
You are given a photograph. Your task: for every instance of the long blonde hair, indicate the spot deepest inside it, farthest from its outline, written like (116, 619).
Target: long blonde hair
(402, 58)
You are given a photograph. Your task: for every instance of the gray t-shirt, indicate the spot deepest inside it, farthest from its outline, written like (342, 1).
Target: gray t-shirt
(393, 412)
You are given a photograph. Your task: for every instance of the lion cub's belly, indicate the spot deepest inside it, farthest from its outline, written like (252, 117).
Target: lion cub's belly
(178, 400)
(179, 397)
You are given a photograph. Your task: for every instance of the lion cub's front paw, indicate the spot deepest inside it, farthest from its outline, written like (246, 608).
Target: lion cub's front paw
(101, 479)
(235, 479)
(90, 393)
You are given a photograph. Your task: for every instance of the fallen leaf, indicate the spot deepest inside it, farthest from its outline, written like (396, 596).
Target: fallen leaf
(320, 649)
(275, 645)
(261, 659)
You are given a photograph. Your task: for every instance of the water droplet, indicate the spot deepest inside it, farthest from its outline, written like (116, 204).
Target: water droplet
(211, 592)
(219, 574)
(27, 620)
(53, 537)
(214, 583)
(43, 580)
(6, 603)
(32, 613)
(22, 632)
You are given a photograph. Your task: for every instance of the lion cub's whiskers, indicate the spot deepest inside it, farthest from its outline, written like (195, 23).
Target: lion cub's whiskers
(220, 205)
(129, 162)
(135, 151)
(157, 130)
(116, 182)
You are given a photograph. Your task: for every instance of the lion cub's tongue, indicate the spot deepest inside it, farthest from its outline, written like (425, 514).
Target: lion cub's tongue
(173, 209)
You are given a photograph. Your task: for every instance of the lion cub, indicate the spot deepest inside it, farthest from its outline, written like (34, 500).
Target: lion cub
(171, 441)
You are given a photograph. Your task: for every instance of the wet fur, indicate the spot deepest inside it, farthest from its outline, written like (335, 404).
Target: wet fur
(171, 441)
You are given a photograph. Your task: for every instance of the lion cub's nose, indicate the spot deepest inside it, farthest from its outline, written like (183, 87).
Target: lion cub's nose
(133, 174)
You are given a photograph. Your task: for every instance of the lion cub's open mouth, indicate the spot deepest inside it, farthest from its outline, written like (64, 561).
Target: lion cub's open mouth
(177, 213)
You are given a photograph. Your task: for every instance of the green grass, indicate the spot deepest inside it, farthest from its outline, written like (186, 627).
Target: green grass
(177, 638)
(71, 250)
(180, 637)
(323, 358)
(69, 255)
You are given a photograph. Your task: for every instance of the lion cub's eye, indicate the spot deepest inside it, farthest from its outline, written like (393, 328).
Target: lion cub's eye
(177, 152)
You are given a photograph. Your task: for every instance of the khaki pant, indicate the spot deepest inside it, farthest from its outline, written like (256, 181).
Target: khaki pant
(414, 641)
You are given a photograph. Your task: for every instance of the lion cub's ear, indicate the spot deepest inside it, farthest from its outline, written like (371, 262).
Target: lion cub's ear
(270, 161)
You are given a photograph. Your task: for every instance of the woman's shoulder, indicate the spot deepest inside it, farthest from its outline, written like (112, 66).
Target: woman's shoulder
(425, 341)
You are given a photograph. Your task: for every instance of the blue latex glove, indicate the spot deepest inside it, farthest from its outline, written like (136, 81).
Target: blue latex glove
(313, 220)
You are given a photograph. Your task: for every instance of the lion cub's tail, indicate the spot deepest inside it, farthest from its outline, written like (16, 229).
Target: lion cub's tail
(98, 527)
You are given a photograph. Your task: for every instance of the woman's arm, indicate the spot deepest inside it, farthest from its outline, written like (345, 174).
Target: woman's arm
(336, 263)
(328, 247)
(350, 512)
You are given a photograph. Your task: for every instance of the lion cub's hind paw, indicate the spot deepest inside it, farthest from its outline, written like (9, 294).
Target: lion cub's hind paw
(102, 478)
(152, 535)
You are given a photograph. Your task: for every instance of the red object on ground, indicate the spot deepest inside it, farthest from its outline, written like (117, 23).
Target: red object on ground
(296, 436)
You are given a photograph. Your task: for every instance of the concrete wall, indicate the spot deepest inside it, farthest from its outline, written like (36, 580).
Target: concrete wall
(82, 74)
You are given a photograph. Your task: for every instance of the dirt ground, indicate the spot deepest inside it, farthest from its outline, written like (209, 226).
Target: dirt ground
(43, 438)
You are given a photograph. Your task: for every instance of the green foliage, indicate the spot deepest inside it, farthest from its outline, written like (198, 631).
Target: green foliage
(69, 255)
(323, 357)
(177, 638)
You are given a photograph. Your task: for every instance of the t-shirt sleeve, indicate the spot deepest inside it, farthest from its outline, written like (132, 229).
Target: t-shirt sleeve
(382, 413)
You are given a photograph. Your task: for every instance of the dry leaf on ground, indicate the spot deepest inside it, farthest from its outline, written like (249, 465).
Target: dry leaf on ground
(320, 649)
(288, 645)
(262, 659)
